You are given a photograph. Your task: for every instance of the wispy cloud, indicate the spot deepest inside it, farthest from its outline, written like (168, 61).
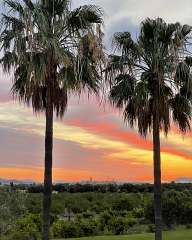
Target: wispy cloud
(98, 146)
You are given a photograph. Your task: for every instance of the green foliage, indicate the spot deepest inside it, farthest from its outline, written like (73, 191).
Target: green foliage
(122, 203)
(151, 228)
(188, 226)
(138, 212)
(89, 227)
(176, 208)
(27, 228)
(24, 235)
(105, 218)
(79, 227)
(64, 229)
(29, 221)
(120, 225)
(96, 213)
(33, 204)
(12, 206)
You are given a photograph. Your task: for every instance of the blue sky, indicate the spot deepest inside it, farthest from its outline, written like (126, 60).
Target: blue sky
(121, 15)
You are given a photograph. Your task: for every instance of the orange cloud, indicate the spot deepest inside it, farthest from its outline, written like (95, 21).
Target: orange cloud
(122, 153)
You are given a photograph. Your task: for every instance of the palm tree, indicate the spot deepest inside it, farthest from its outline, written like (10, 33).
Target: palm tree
(53, 51)
(144, 84)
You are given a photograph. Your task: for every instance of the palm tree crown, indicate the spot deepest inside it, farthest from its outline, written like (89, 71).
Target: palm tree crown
(154, 57)
(46, 38)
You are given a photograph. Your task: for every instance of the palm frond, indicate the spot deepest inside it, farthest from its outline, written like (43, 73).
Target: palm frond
(122, 90)
(181, 110)
(14, 6)
(83, 17)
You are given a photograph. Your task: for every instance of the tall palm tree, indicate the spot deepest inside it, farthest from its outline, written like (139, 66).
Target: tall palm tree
(145, 85)
(53, 51)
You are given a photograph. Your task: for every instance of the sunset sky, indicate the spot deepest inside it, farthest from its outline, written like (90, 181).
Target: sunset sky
(92, 139)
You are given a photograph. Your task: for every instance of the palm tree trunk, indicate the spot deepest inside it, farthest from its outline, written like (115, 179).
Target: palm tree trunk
(157, 176)
(47, 172)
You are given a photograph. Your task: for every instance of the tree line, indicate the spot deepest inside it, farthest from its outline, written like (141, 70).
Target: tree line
(102, 188)
(55, 51)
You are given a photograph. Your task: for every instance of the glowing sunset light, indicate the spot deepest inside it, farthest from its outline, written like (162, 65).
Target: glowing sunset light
(97, 147)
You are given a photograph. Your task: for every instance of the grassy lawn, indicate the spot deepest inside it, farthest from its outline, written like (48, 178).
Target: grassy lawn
(172, 235)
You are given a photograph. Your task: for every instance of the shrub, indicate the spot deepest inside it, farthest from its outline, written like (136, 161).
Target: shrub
(26, 228)
(105, 218)
(151, 228)
(29, 223)
(89, 227)
(131, 222)
(120, 225)
(138, 212)
(23, 235)
(188, 226)
(65, 229)
(122, 203)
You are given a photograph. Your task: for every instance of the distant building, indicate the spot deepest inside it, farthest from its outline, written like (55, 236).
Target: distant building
(54, 192)
(68, 215)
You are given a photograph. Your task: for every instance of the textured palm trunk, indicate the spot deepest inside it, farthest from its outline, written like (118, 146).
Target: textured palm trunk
(48, 172)
(157, 176)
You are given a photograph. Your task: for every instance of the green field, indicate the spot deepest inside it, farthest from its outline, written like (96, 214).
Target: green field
(172, 235)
